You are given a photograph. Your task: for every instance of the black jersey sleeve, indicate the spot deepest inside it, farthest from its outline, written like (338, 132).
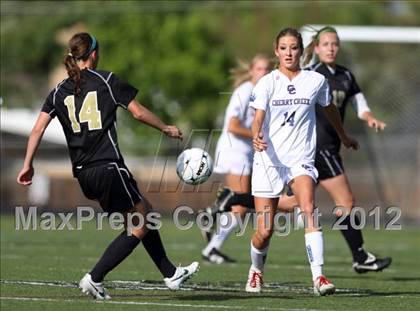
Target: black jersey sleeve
(48, 106)
(123, 92)
(354, 87)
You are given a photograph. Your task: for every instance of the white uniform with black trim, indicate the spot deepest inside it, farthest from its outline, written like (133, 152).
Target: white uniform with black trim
(233, 152)
(289, 129)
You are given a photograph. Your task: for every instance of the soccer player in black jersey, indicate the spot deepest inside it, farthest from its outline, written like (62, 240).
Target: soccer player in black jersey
(86, 105)
(344, 90)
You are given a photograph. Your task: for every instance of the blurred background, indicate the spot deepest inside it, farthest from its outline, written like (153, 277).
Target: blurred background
(178, 53)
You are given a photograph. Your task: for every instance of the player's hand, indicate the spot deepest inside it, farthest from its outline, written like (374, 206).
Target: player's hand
(376, 124)
(25, 176)
(172, 131)
(350, 142)
(259, 143)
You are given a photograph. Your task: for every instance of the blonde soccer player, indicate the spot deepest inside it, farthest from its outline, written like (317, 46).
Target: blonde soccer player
(233, 158)
(332, 177)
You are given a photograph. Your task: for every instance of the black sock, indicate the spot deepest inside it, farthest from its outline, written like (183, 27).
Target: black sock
(154, 247)
(354, 239)
(244, 199)
(117, 251)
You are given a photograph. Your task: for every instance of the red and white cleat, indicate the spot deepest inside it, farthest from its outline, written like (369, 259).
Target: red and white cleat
(255, 281)
(323, 287)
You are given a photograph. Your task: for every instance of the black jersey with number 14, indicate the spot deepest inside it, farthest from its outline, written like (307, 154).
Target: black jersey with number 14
(343, 86)
(89, 119)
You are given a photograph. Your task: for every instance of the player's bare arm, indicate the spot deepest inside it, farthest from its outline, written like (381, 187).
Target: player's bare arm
(236, 127)
(258, 141)
(27, 172)
(144, 115)
(333, 116)
(372, 121)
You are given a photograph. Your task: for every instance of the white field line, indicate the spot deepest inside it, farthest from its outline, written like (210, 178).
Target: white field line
(146, 303)
(144, 285)
(234, 287)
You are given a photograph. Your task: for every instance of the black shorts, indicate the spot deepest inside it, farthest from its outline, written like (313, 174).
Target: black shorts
(111, 184)
(328, 163)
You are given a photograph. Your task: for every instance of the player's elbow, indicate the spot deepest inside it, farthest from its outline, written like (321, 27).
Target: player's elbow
(232, 129)
(137, 114)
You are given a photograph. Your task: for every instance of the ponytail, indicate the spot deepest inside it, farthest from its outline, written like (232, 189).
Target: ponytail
(309, 50)
(73, 72)
(241, 72)
(81, 45)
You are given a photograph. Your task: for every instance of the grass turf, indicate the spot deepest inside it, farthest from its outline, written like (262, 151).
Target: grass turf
(40, 271)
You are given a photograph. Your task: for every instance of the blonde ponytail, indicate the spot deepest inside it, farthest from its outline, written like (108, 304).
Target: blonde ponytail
(241, 73)
(309, 50)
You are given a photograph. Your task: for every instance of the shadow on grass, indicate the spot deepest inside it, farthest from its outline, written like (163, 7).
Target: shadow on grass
(227, 296)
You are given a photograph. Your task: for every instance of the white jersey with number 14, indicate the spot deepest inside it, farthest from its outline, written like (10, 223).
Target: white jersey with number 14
(290, 122)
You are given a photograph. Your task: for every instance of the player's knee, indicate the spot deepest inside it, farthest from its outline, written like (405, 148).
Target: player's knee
(265, 234)
(344, 206)
(307, 209)
(138, 232)
(240, 211)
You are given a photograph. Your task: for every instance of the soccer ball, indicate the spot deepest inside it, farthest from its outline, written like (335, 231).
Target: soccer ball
(194, 166)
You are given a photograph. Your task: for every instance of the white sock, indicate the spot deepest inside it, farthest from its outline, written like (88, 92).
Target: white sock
(258, 257)
(315, 249)
(222, 232)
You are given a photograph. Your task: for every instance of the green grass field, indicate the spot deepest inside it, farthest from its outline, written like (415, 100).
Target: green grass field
(40, 271)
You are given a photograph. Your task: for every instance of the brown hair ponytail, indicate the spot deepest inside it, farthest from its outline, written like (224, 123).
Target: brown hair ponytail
(81, 45)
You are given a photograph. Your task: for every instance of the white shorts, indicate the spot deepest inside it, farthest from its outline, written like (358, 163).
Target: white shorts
(228, 161)
(269, 182)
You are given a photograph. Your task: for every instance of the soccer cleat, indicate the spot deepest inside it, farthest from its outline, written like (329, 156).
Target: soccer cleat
(255, 281)
(94, 289)
(217, 257)
(181, 275)
(323, 287)
(372, 264)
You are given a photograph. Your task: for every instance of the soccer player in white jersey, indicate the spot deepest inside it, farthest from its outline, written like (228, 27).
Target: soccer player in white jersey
(284, 138)
(234, 152)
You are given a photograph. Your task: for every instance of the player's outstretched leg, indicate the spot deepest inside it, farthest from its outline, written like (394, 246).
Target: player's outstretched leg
(122, 247)
(173, 277)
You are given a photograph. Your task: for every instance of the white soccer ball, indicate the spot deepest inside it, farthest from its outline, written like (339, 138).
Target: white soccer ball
(194, 166)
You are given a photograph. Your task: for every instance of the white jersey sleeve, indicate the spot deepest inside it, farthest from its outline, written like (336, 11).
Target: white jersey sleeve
(324, 97)
(261, 94)
(359, 104)
(238, 103)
